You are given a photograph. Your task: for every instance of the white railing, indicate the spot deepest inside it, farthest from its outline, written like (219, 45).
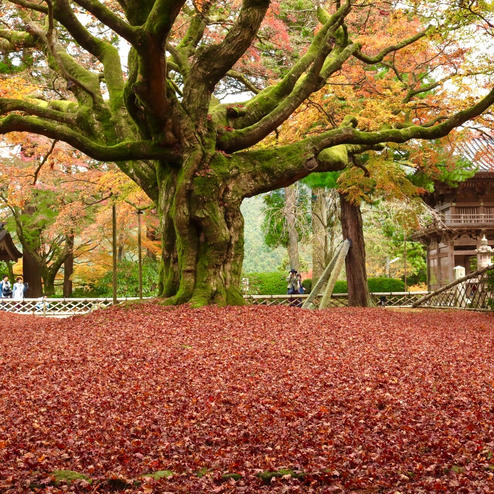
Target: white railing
(65, 307)
(58, 307)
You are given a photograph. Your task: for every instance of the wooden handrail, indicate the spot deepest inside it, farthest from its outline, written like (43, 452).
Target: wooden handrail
(469, 276)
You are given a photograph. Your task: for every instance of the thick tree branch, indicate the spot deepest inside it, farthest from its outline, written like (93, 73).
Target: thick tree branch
(196, 29)
(124, 151)
(106, 53)
(243, 138)
(350, 135)
(267, 169)
(270, 97)
(16, 39)
(31, 5)
(214, 62)
(68, 67)
(161, 18)
(113, 21)
(8, 105)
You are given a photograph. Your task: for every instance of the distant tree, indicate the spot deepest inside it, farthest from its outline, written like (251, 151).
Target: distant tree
(287, 220)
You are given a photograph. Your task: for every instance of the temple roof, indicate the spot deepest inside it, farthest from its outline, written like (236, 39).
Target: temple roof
(8, 251)
(480, 151)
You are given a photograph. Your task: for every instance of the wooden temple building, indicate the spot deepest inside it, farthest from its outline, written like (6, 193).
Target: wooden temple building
(465, 215)
(8, 251)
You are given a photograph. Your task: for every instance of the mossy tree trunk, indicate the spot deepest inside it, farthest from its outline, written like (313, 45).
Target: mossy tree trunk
(202, 233)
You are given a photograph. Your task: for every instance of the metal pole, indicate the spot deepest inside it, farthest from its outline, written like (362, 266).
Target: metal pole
(139, 212)
(114, 246)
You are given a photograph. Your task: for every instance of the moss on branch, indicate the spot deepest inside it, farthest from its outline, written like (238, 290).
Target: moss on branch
(40, 109)
(310, 82)
(124, 151)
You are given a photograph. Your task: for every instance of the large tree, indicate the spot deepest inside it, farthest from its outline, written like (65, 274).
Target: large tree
(161, 122)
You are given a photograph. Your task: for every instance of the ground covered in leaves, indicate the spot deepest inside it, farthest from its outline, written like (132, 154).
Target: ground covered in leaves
(255, 399)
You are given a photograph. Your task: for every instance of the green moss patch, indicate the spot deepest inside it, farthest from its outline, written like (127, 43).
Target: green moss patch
(160, 474)
(267, 475)
(68, 476)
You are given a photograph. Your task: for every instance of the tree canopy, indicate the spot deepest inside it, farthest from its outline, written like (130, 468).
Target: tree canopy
(161, 118)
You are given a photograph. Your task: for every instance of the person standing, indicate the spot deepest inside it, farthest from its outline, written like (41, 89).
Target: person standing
(18, 289)
(5, 288)
(292, 282)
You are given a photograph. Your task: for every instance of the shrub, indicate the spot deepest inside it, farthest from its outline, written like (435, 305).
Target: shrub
(267, 283)
(340, 287)
(307, 284)
(374, 284)
(385, 285)
(127, 281)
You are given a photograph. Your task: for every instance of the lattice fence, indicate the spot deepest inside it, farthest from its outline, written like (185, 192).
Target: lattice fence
(388, 299)
(338, 300)
(57, 307)
(474, 291)
(64, 307)
(396, 299)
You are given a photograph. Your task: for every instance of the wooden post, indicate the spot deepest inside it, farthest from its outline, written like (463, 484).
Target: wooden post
(139, 212)
(334, 275)
(324, 277)
(114, 250)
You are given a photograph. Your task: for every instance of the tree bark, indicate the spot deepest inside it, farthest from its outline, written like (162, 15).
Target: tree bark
(68, 266)
(31, 274)
(49, 283)
(153, 236)
(319, 233)
(202, 229)
(351, 225)
(290, 212)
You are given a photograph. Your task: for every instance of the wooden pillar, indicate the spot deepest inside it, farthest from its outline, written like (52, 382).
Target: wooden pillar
(439, 275)
(428, 266)
(451, 259)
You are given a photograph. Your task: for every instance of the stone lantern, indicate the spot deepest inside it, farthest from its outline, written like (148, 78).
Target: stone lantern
(484, 254)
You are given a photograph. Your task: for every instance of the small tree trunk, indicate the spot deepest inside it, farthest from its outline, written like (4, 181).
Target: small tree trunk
(351, 225)
(290, 212)
(319, 233)
(31, 274)
(68, 266)
(333, 220)
(49, 283)
(153, 236)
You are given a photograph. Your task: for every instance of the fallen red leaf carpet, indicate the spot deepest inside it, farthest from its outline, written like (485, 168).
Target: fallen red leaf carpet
(247, 400)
